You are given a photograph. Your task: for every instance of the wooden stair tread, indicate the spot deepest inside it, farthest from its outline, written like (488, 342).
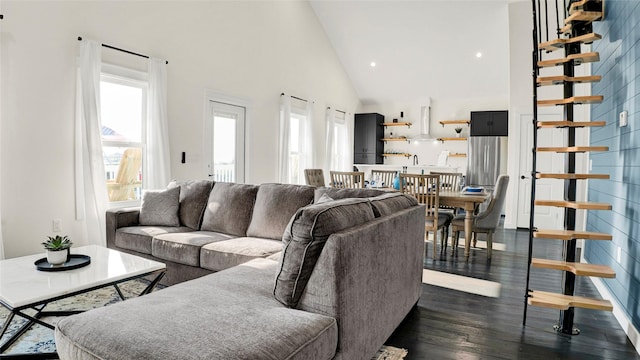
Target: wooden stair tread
(562, 124)
(568, 176)
(564, 302)
(580, 269)
(576, 149)
(574, 204)
(570, 235)
(561, 79)
(581, 15)
(580, 5)
(556, 44)
(577, 59)
(592, 99)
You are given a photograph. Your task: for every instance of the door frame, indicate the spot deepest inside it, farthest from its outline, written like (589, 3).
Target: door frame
(215, 96)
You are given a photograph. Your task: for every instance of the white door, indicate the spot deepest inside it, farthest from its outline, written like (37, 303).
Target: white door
(546, 217)
(224, 142)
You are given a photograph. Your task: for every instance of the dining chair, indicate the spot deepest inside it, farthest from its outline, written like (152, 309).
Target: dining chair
(383, 177)
(347, 179)
(426, 189)
(487, 221)
(449, 181)
(314, 177)
(128, 177)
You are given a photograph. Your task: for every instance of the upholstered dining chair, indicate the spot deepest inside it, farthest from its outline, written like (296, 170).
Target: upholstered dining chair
(385, 177)
(347, 179)
(314, 177)
(487, 221)
(426, 188)
(127, 179)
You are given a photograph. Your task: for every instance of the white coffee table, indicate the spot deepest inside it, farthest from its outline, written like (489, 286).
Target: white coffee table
(22, 286)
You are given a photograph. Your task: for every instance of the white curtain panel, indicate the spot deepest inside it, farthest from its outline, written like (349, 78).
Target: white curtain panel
(157, 167)
(91, 192)
(329, 162)
(283, 140)
(347, 158)
(306, 142)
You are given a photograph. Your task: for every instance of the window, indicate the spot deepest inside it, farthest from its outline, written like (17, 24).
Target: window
(295, 142)
(340, 159)
(123, 105)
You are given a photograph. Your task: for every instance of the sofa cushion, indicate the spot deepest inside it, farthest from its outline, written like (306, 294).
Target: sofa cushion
(390, 203)
(229, 208)
(227, 315)
(275, 205)
(222, 255)
(345, 193)
(305, 237)
(138, 238)
(160, 207)
(184, 248)
(193, 198)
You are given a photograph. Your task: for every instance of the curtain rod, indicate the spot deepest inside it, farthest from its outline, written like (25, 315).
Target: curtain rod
(344, 112)
(123, 50)
(297, 98)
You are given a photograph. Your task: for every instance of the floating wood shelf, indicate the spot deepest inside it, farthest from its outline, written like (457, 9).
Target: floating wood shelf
(561, 79)
(580, 269)
(574, 204)
(394, 139)
(593, 99)
(458, 155)
(452, 139)
(570, 176)
(577, 59)
(573, 149)
(564, 302)
(408, 124)
(454, 122)
(570, 235)
(405, 155)
(575, 124)
(587, 16)
(556, 44)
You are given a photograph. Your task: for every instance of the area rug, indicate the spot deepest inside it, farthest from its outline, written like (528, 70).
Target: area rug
(39, 339)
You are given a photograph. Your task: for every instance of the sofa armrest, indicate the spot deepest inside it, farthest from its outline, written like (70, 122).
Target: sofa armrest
(118, 218)
(369, 276)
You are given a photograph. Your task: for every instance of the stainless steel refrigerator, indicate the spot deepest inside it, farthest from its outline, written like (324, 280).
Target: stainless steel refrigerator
(483, 161)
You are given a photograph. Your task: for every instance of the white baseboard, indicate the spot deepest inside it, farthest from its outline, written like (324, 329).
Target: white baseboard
(632, 333)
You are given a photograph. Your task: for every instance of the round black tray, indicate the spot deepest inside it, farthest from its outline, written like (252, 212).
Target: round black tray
(75, 261)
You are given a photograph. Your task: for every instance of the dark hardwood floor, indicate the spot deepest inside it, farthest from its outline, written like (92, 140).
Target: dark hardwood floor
(449, 324)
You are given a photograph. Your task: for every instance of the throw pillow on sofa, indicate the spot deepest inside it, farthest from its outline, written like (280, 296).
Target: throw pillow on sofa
(345, 193)
(304, 239)
(229, 208)
(160, 207)
(193, 199)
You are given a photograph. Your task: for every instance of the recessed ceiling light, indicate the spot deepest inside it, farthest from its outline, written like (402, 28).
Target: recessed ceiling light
(478, 54)
(373, 64)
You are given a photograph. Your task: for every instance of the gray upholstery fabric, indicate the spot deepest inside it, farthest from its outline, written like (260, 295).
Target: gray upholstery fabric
(304, 239)
(222, 255)
(274, 207)
(443, 219)
(193, 198)
(119, 218)
(138, 238)
(184, 248)
(345, 193)
(229, 315)
(390, 203)
(369, 277)
(229, 208)
(160, 208)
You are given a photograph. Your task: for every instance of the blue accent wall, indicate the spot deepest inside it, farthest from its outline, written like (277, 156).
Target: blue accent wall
(619, 66)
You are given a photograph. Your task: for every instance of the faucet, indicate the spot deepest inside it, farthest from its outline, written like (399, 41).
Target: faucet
(415, 160)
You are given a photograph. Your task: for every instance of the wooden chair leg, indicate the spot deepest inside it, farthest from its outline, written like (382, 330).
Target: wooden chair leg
(445, 239)
(435, 243)
(489, 244)
(475, 239)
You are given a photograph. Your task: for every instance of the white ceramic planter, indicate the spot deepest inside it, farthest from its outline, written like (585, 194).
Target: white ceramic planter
(57, 257)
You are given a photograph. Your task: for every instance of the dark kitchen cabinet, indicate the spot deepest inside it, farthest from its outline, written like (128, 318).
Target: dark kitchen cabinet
(367, 134)
(489, 123)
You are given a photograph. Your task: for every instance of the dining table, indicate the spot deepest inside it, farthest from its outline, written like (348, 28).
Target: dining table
(467, 201)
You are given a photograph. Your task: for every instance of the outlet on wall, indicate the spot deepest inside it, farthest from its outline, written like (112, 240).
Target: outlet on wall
(623, 118)
(57, 225)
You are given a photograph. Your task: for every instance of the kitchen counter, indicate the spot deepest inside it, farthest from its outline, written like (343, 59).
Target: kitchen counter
(412, 169)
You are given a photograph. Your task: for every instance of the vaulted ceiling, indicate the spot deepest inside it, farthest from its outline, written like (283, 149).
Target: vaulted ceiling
(420, 48)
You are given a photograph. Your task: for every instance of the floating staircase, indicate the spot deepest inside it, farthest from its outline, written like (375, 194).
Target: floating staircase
(578, 28)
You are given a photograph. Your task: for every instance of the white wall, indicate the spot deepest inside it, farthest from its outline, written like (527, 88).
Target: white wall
(250, 50)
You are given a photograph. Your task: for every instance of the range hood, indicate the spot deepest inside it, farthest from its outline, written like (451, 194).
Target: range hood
(425, 115)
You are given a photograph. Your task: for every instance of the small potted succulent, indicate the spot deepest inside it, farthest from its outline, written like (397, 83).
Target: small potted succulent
(58, 249)
(458, 131)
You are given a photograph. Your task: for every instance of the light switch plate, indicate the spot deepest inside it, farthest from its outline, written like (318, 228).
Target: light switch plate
(623, 118)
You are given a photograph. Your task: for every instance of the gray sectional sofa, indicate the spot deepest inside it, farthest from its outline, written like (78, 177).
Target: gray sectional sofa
(294, 272)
